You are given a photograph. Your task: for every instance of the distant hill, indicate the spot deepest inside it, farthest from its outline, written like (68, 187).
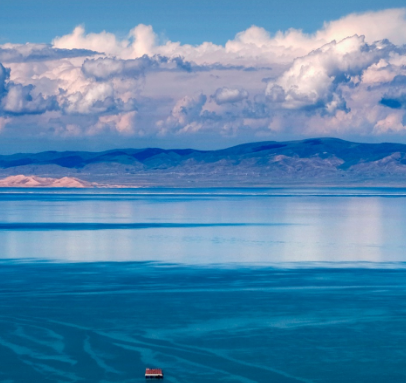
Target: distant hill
(313, 161)
(22, 181)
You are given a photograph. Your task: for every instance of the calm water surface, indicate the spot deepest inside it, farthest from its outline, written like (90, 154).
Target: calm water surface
(271, 227)
(220, 286)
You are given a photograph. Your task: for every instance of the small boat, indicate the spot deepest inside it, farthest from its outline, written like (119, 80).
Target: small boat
(154, 373)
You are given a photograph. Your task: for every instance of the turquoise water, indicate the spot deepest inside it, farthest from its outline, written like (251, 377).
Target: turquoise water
(222, 286)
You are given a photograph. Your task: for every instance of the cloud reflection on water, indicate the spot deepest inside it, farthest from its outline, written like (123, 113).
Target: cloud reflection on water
(204, 229)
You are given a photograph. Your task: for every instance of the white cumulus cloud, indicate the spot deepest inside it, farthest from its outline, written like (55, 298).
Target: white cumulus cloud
(229, 95)
(314, 80)
(346, 79)
(254, 45)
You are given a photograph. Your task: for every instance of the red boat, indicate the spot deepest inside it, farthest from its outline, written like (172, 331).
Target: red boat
(154, 373)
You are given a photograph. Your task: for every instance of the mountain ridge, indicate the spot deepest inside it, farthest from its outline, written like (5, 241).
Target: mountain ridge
(320, 160)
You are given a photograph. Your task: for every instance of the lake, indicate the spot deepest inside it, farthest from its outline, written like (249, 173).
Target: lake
(219, 285)
(205, 226)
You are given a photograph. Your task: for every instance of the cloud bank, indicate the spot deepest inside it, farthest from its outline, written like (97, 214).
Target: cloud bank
(347, 79)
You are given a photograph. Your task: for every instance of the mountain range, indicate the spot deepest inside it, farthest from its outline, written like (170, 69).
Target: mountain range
(318, 161)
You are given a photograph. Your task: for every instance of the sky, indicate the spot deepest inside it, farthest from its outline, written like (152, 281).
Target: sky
(96, 75)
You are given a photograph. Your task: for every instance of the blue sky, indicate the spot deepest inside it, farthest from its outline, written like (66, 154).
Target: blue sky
(191, 22)
(102, 74)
